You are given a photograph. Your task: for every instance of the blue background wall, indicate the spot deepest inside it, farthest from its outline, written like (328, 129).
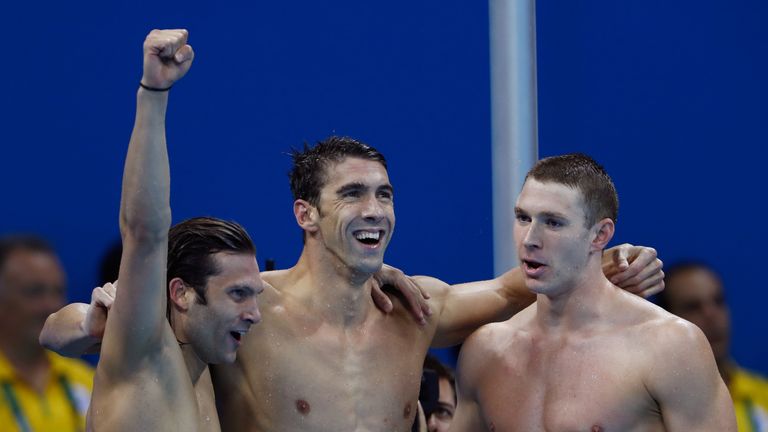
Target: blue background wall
(669, 96)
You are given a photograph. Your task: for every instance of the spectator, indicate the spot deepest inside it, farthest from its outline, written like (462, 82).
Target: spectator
(41, 391)
(694, 292)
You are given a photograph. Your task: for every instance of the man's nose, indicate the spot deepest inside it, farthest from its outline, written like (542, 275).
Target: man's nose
(252, 315)
(531, 238)
(372, 208)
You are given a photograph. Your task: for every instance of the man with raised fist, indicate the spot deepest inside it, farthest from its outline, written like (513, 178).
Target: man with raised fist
(153, 372)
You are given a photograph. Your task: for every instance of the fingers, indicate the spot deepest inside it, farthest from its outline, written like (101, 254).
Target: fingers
(184, 54)
(166, 43)
(415, 298)
(621, 256)
(103, 296)
(639, 258)
(381, 300)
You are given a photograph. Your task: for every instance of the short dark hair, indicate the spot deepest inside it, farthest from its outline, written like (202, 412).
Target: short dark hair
(583, 173)
(28, 242)
(308, 174)
(443, 371)
(191, 245)
(671, 271)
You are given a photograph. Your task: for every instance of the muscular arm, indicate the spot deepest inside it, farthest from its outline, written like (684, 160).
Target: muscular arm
(472, 361)
(686, 384)
(463, 308)
(137, 319)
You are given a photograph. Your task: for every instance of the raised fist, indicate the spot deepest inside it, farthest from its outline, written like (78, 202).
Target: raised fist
(167, 58)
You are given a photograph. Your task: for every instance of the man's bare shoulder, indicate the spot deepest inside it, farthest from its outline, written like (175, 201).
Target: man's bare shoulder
(656, 322)
(502, 339)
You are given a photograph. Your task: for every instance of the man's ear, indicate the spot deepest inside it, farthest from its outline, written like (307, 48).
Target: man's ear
(178, 294)
(306, 215)
(603, 233)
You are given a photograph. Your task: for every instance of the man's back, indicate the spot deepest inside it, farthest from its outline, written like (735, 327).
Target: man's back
(298, 371)
(602, 376)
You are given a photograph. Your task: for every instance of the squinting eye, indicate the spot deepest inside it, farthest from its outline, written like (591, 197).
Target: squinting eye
(522, 218)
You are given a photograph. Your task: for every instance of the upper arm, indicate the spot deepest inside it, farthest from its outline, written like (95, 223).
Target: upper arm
(468, 374)
(686, 383)
(465, 307)
(137, 318)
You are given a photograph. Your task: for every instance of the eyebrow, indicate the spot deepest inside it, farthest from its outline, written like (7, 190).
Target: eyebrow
(350, 187)
(358, 186)
(388, 188)
(547, 214)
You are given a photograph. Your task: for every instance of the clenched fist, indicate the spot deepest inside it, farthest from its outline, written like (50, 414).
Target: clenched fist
(167, 58)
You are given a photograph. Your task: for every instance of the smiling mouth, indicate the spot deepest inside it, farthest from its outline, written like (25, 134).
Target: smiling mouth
(369, 238)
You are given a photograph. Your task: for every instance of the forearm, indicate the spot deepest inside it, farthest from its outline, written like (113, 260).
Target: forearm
(511, 286)
(145, 211)
(64, 332)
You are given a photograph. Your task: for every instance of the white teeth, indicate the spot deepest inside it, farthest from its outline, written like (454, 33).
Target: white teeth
(360, 235)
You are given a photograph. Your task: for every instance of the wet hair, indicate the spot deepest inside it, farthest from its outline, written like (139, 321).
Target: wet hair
(191, 245)
(27, 242)
(309, 172)
(443, 371)
(671, 271)
(583, 173)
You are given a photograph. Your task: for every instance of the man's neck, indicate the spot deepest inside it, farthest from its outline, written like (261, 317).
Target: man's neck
(337, 293)
(195, 366)
(575, 306)
(29, 362)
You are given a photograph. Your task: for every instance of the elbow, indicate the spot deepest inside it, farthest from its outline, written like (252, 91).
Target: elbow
(147, 227)
(45, 338)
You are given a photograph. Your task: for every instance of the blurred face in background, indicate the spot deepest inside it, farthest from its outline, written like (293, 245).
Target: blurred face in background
(32, 286)
(696, 295)
(441, 419)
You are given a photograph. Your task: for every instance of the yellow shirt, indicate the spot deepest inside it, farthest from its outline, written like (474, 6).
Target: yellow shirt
(62, 406)
(750, 400)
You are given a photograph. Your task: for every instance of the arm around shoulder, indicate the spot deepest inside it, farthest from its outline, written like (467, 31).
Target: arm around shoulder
(63, 332)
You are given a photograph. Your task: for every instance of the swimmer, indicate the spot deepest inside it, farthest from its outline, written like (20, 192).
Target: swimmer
(153, 374)
(326, 357)
(586, 356)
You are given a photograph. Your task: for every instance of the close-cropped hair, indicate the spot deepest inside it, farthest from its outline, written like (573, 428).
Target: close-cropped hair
(191, 245)
(309, 172)
(583, 173)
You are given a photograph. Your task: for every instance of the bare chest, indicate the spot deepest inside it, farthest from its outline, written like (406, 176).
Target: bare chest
(324, 378)
(593, 386)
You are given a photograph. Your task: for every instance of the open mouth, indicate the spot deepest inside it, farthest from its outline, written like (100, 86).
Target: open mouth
(237, 335)
(532, 265)
(369, 238)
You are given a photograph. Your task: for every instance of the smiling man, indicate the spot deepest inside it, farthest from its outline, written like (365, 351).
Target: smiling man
(325, 357)
(587, 356)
